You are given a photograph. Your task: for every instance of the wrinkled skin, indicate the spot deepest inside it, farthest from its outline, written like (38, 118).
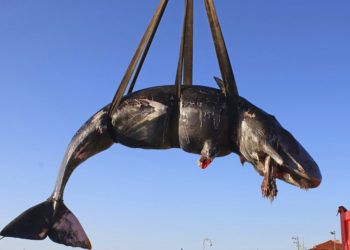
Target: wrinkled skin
(273, 151)
(201, 122)
(205, 124)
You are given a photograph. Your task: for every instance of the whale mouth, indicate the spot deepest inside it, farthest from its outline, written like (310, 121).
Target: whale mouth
(274, 152)
(297, 166)
(288, 161)
(303, 176)
(293, 174)
(297, 176)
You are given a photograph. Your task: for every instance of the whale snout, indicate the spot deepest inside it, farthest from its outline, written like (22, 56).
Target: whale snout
(298, 166)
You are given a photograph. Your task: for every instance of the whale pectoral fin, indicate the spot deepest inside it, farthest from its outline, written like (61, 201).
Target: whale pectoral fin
(67, 230)
(32, 224)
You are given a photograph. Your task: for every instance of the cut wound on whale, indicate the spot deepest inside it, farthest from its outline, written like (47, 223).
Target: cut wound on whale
(204, 162)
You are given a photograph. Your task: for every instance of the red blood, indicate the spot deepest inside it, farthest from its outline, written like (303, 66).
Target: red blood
(205, 163)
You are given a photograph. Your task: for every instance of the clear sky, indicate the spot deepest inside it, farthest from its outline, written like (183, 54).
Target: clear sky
(61, 61)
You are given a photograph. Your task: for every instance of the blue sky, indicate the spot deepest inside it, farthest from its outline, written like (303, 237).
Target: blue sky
(62, 61)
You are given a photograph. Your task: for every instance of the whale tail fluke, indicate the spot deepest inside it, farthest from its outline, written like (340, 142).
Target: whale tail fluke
(67, 230)
(52, 219)
(32, 224)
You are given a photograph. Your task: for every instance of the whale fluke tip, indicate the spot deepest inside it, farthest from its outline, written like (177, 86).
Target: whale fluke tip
(50, 218)
(32, 224)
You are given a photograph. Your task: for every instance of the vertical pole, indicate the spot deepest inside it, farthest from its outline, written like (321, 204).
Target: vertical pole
(344, 225)
(334, 241)
(296, 242)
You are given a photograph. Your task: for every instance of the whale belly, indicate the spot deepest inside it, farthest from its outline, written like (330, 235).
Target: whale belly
(203, 118)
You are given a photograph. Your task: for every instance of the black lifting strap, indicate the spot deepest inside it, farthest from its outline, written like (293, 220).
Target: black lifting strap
(221, 52)
(184, 70)
(139, 56)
